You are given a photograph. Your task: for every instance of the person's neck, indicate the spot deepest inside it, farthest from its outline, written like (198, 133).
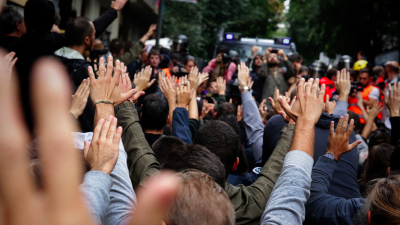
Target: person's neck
(391, 76)
(154, 131)
(273, 69)
(15, 33)
(80, 48)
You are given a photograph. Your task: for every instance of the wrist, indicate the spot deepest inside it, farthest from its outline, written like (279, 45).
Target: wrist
(305, 123)
(332, 155)
(394, 113)
(181, 105)
(221, 92)
(74, 113)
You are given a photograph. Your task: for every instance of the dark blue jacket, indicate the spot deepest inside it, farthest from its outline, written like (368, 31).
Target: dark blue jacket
(344, 181)
(323, 208)
(180, 125)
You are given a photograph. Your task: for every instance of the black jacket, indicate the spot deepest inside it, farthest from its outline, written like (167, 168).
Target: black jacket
(32, 46)
(78, 70)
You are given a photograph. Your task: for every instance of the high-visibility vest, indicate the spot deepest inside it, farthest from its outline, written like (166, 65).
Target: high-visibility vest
(365, 93)
(354, 108)
(329, 86)
(168, 73)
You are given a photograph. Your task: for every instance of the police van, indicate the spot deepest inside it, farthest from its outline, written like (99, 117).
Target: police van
(243, 45)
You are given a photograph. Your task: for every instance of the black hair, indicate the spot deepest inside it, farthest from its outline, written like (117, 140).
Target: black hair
(365, 71)
(226, 109)
(154, 112)
(222, 140)
(303, 69)
(295, 58)
(39, 15)
(196, 157)
(223, 49)
(379, 136)
(153, 52)
(356, 118)
(77, 30)
(177, 57)
(330, 73)
(231, 120)
(116, 45)
(10, 16)
(165, 145)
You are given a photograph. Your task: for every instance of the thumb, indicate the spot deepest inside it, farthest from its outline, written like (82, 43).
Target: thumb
(272, 101)
(353, 145)
(284, 105)
(86, 148)
(128, 94)
(152, 82)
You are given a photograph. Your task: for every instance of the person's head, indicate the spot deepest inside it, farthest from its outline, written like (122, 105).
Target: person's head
(377, 163)
(223, 141)
(353, 75)
(378, 72)
(212, 86)
(231, 120)
(297, 61)
(117, 47)
(226, 109)
(382, 204)
(200, 90)
(154, 58)
(12, 21)
(196, 157)
(391, 68)
(39, 15)
(363, 77)
(272, 60)
(80, 31)
(379, 136)
(303, 71)
(154, 113)
(200, 200)
(190, 63)
(145, 57)
(257, 62)
(357, 123)
(222, 49)
(331, 74)
(164, 145)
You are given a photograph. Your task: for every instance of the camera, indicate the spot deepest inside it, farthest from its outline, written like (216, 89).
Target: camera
(356, 87)
(226, 58)
(274, 51)
(305, 76)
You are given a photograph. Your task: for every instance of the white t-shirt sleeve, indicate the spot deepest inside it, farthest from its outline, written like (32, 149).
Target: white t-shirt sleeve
(374, 94)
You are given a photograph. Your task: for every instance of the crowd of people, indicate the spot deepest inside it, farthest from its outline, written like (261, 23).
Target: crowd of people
(149, 138)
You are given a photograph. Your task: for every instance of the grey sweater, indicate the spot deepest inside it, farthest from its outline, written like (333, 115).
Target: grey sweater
(110, 199)
(286, 204)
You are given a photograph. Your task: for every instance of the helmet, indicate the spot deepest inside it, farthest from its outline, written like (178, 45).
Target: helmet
(360, 64)
(345, 62)
(317, 69)
(180, 44)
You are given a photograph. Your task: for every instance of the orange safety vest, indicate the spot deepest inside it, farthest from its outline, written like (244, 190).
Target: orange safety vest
(168, 73)
(365, 93)
(354, 108)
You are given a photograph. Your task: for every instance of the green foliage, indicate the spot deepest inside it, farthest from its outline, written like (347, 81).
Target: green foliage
(201, 22)
(343, 27)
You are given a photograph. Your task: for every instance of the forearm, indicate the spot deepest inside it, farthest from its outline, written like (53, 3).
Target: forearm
(304, 136)
(193, 110)
(370, 102)
(180, 126)
(343, 97)
(292, 189)
(395, 137)
(132, 54)
(101, 23)
(142, 163)
(102, 111)
(341, 108)
(368, 128)
(254, 126)
(172, 107)
(221, 100)
(289, 69)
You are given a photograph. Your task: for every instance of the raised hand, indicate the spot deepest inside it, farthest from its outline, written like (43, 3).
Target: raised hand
(343, 85)
(239, 114)
(263, 109)
(79, 99)
(7, 62)
(329, 106)
(118, 4)
(106, 88)
(183, 95)
(193, 77)
(308, 105)
(202, 77)
(205, 109)
(125, 85)
(243, 76)
(221, 85)
(143, 79)
(393, 102)
(338, 142)
(282, 113)
(169, 91)
(102, 153)
(275, 102)
(374, 110)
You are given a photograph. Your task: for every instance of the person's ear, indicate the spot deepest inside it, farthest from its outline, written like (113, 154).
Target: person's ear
(18, 26)
(369, 222)
(87, 40)
(235, 165)
(388, 171)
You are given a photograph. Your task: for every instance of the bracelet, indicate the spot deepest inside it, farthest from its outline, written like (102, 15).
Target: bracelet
(100, 102)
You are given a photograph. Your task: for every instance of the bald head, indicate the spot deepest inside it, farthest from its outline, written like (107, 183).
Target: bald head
(392, 67)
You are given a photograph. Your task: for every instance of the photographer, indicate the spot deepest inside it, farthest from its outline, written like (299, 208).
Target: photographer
(221, 65)
(275, 78)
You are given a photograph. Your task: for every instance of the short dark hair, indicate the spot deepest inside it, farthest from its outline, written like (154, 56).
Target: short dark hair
(379, 136)
(303, 69)
(9, 17)
(356, 118)
(77, 30)
(153, 52)
(177, 57)
(154, 112)
(116, 45)
(295, 58)
(196, 157)
(226, 109)
(365, 71)
(377, 70)
(353, 74)
(231, 120)
(223, 49)
(330, 73)
(222, 140)
(163, 146)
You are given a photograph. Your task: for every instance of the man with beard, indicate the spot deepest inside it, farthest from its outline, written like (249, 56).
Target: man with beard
(275, 78)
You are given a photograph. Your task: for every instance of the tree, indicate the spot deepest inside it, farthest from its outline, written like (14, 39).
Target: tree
(343, 27)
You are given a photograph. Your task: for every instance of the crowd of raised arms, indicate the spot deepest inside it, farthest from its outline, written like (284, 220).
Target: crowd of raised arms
(136, 144)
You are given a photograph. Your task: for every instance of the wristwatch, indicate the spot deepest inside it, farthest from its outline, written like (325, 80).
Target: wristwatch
(330, 155)
(245, 88)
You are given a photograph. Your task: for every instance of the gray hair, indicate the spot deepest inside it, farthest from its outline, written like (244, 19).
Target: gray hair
(10, 16)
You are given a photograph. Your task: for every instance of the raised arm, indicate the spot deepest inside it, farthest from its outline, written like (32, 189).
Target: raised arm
(180, 120)
(343, 86)
(101, 23)
(393, 103)
(372, 114)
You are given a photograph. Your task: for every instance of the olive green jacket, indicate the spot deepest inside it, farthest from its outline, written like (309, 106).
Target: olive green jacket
(249, 202)
(132, 54)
